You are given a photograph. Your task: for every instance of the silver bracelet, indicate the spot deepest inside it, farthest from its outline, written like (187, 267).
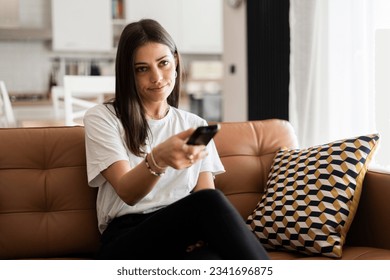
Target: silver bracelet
(151, 170)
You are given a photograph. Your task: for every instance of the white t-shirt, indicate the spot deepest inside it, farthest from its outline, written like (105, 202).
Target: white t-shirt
(105, 144)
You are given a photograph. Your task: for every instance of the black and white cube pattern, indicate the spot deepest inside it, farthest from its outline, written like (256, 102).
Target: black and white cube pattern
(312, 196)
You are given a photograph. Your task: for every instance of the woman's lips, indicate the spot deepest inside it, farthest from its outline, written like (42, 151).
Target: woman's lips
(157, 88)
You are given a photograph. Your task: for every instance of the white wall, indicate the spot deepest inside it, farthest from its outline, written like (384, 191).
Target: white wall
(234, 87)
(382, 94)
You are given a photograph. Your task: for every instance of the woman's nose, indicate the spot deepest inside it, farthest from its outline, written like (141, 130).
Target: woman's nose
(156, 76)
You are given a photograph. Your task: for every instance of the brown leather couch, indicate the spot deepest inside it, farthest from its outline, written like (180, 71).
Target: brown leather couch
(47, 209)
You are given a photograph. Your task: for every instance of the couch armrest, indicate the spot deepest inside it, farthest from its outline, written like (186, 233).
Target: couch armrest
(371, 225)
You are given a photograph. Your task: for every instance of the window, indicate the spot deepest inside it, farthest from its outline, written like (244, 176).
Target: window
(339, 71)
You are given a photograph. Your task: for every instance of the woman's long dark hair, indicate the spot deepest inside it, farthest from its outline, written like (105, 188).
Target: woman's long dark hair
(127, 103)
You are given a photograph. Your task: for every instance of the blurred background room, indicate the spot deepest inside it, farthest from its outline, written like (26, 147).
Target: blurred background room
(321, 64)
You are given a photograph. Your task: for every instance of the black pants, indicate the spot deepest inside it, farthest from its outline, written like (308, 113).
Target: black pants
(166, 234)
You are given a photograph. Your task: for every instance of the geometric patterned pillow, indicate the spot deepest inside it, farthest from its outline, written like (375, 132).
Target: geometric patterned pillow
(312, 196)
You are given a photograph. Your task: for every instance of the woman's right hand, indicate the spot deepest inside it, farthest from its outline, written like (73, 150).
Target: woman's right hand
(174, 152)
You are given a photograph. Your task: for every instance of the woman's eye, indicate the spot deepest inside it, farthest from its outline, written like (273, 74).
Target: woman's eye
(164, 62)
(141, 69)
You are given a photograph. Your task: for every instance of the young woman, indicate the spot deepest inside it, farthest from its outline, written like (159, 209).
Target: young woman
(156, 197)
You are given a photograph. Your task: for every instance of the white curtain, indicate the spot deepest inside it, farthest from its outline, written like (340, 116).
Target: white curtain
(331, 66)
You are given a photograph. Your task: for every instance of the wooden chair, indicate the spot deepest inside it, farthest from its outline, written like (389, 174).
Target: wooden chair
(7, 117)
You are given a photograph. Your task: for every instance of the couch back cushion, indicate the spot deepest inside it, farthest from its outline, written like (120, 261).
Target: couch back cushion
(47, 208)
(247, 150)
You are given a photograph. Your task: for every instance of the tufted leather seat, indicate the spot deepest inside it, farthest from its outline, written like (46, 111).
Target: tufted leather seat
(47, 209)
(46, 206)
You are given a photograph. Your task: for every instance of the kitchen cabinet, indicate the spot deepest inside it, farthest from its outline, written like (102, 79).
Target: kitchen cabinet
(94, 25)
(195, 25)
(84, 26)
(201, 22)
(166, 12)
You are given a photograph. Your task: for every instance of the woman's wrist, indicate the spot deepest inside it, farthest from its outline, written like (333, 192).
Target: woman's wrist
(155, 160)
(153, 169)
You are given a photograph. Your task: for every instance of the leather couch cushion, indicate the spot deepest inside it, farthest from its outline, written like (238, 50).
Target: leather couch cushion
(47, 208)
(246, 150)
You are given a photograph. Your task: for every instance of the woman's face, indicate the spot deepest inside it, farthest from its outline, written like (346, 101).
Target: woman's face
(155, 67)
